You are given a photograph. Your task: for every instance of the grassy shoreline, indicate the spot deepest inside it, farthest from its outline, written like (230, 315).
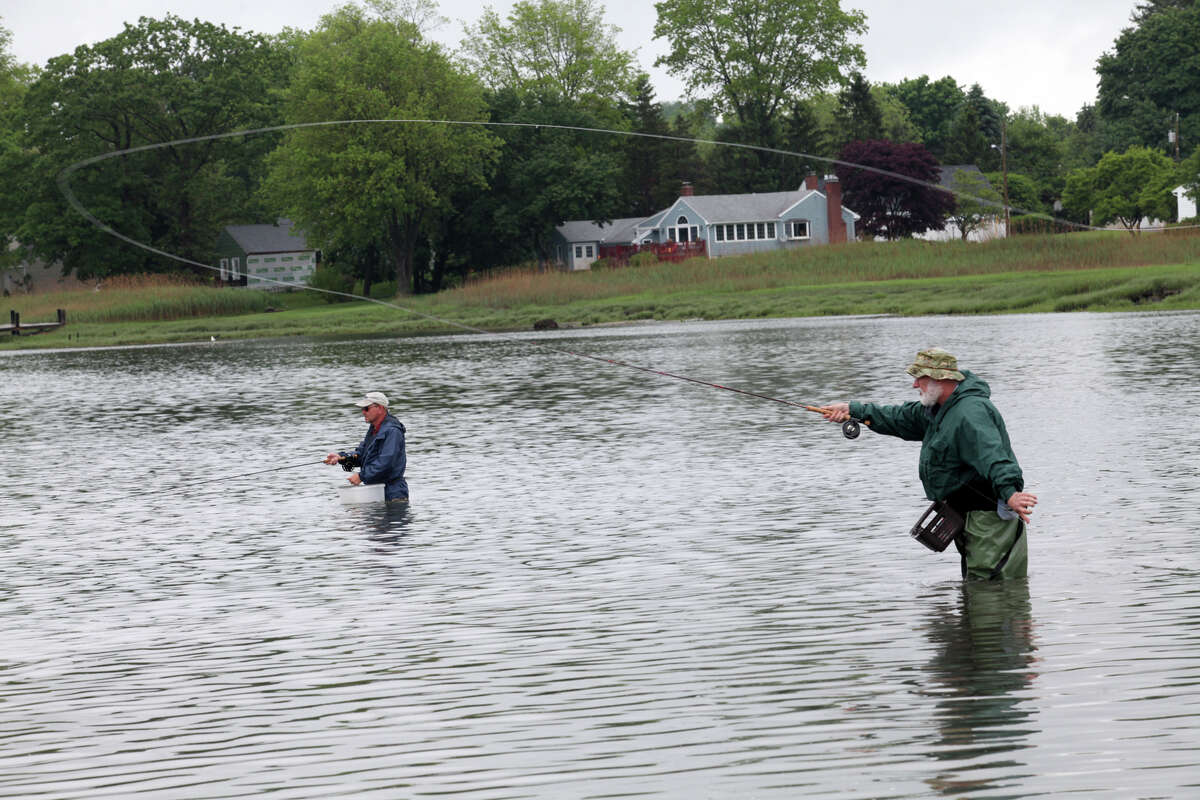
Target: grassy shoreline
(1092, 272)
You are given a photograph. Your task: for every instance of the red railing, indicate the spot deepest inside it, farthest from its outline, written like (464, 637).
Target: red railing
(667, 251)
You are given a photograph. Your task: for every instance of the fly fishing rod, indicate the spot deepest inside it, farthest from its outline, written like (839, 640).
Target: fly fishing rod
(851, 428)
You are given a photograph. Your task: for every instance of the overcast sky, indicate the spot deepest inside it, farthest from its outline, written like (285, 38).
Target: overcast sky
(1023, 52)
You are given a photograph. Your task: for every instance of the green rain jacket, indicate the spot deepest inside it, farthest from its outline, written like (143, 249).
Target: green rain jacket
(965, 452)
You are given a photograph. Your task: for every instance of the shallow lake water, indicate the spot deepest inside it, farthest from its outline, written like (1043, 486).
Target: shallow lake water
(609, 583)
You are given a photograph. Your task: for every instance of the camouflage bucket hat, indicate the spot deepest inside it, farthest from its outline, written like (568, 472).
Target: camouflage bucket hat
(937, 364)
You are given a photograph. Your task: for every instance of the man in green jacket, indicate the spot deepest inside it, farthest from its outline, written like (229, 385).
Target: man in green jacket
(966, 460)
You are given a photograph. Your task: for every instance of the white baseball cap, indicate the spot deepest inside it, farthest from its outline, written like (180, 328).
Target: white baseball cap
(372, 398)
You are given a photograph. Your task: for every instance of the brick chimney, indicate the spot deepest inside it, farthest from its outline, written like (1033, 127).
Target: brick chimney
(686, 189)
(810, 181)
(833, 207)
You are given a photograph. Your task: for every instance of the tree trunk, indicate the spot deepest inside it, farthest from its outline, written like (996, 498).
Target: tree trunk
(402, 235)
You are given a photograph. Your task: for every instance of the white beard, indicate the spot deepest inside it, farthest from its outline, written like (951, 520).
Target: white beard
(931, 394)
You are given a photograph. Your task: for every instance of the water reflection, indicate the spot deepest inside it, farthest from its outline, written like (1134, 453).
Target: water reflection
(983, 666)
(384, 524)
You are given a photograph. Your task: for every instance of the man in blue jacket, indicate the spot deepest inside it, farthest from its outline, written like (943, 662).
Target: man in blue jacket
(966, 460)
(380, 456)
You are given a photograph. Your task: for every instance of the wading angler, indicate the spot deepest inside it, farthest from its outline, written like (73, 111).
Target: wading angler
(967, 465)
(380, 456)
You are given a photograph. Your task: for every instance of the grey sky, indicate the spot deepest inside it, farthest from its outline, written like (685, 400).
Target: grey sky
(1023, 52)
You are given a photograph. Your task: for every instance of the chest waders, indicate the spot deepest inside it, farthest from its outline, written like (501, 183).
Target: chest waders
(992, 548)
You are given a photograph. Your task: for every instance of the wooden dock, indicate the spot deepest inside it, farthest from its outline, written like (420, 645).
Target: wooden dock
(17, 328)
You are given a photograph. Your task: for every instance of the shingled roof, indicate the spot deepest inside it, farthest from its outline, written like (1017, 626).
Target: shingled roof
(619, 230)
(718, 208)
(281, 237)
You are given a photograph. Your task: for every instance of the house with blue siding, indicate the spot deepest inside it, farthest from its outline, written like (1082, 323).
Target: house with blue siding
(716, 225)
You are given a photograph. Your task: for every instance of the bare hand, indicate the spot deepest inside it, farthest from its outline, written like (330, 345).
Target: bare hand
(1022, 503)
(354, 479)
(836, 412)
(332, 458)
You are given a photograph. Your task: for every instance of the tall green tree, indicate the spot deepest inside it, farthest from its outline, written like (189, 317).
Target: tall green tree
(647, 166)
(1126, 187)
(1024, 193)
(349, 186)
(968, 144)
(157, 81)
(14, 156)
(1152, 7)
(560, 49)
(1151, 75)
(932, 106)
(547, 175)
(857, 116)
(753, 58)
(802, 134)
(989, 112)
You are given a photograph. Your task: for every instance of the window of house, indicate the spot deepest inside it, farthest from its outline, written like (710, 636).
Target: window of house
(797, 229)
(588, 250)
(235, 266)
(741, 231)
(224, 268)
(770, 230)
(720, 233)
(762, 229)
(579, 251)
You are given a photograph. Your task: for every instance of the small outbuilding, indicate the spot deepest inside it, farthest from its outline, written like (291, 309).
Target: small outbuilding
(264, 256)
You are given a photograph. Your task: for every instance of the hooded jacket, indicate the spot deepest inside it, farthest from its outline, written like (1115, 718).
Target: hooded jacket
(966, 457)
(383, 458)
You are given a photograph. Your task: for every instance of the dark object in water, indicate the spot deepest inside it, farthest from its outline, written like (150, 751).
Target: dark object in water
(938, 532)
(546, 324)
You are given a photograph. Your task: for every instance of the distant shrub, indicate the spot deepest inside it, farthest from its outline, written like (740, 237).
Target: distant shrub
(331, 279)
(383, 290)
(643, 259)
(1024, 224)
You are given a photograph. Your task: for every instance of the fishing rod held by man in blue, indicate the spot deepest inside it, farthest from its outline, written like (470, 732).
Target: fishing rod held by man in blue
(966, 464)
(380, 456)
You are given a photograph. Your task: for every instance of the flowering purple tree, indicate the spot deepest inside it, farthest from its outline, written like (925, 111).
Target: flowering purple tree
(893, 186)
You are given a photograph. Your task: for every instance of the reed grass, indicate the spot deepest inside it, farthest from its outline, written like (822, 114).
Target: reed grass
(131, 298)
(865, 261)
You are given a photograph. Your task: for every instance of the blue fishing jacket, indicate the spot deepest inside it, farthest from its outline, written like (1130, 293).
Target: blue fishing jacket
(383, 458)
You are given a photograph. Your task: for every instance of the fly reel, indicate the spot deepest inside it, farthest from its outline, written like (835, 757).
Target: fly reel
(851, 428)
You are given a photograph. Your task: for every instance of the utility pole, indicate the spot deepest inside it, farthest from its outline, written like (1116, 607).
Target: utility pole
(1004, 170)
(1175, 137)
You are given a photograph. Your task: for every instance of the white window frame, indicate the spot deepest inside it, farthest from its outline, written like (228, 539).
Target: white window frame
(791, 229)
(235, 266)
(681, 226)
(224, 268)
